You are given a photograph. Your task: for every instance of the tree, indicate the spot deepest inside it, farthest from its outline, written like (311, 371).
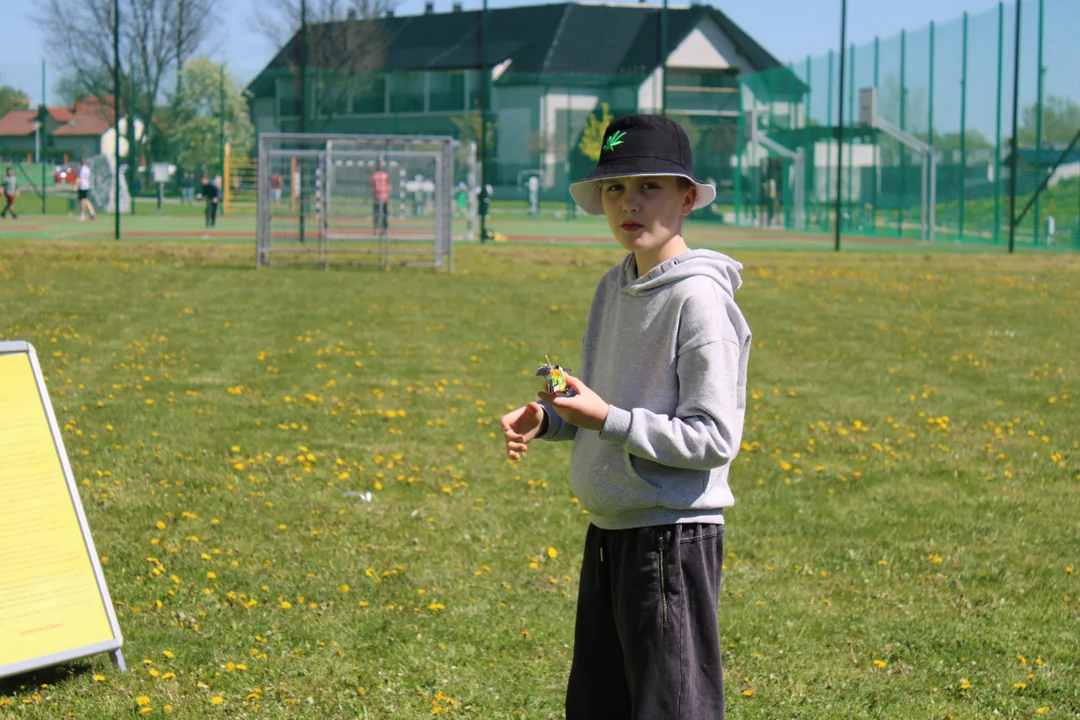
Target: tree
(196, 120)
(341, 50)
(12, 99)
(1060, 122)
(152, 35)
(592, 137)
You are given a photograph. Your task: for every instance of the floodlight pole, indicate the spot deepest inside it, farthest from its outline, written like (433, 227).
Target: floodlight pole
(116, 113)
(840, 126)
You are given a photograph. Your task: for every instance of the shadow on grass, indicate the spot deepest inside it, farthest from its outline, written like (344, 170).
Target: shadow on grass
(30, 682)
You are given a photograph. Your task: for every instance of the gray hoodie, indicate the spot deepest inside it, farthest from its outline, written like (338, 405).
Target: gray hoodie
(668, 351)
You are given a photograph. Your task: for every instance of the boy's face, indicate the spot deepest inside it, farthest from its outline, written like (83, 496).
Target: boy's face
(644, 213)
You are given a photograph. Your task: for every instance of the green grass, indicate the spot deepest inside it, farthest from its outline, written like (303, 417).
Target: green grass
(905, 524)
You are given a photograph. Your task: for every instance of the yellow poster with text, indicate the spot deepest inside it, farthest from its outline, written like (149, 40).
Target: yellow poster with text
(49, 597)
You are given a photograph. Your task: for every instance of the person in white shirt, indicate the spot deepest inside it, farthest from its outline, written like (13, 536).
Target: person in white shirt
(84, 192)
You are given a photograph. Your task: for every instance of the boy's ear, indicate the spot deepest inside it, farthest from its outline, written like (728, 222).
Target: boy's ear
(688, 200)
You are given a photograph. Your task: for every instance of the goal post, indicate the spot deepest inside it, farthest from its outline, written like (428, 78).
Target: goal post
(379, 200)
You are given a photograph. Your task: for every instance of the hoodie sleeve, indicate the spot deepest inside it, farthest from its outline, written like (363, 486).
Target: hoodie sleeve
(706, 428)
(557, 429)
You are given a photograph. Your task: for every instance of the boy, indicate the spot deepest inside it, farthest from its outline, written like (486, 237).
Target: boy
(84, 191)
(210, 192)
(11, 191)
(656, 422)
(380, 193)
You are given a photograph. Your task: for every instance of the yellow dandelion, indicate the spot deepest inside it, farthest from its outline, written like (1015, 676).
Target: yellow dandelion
(749, 692)
(99, 678)
(217, 700)
(880, 663)
(552, 553)
(142, 700)
(343, 589)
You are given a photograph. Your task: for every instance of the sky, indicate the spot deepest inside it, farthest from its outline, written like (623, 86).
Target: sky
(790, 29)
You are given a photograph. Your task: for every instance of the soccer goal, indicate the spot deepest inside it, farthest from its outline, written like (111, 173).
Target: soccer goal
(376, 200)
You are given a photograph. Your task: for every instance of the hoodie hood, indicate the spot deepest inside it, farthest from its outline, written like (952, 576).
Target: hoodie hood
(723, 270)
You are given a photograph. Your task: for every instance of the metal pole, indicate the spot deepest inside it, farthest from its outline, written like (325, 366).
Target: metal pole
(1039, 118)
(903, 115)
(877, 170)
(116, 114)
(485, 201)
(1013, 141)
(303, 107)
(663, 59)
(569, 121)
(928, 192)
(132, 163)
(828, 123)
(221, 148)
(44, 116)
(963, 129)
(811, 166)
(739, 152)
(840, 122)
(997, 132)
(851, 115)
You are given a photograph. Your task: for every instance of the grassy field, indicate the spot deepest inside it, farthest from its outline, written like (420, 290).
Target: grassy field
(903, 544)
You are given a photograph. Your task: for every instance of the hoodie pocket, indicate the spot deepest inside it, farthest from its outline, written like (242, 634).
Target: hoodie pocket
(676, 488)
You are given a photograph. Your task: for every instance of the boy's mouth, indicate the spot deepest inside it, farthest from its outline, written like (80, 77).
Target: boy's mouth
(631, 226)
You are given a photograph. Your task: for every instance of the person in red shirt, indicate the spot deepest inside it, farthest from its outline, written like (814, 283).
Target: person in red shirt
(380, 191)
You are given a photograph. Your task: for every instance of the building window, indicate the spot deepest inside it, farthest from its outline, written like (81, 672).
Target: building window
(446, 91)
(369, 95)
(407, 94)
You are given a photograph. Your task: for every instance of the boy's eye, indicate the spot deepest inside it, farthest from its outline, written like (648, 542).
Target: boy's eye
(614, 188)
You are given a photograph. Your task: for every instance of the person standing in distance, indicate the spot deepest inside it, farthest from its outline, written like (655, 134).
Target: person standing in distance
(380, 194)
(656, 420)
(211, 193)
(11, 191)
(83, 192)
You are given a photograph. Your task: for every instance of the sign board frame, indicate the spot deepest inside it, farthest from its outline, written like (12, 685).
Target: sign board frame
(113, 644)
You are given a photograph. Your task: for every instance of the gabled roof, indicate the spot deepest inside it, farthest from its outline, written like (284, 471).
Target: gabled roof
(92, 117)
(563, 42)
(18, 123)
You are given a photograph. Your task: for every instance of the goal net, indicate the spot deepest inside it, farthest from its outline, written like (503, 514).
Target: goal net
(373, 200)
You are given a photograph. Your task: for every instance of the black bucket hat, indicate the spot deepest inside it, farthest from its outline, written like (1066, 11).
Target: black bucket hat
(637, 145)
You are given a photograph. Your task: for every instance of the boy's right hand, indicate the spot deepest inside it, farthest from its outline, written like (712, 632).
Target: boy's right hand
(520, 427)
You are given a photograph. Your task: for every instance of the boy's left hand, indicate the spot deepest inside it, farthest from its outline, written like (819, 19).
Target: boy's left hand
(587, 410)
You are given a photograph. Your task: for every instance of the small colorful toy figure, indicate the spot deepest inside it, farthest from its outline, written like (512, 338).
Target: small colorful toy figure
(556, 379)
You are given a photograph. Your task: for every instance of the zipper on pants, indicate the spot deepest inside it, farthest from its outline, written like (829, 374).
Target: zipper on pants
(663, 586)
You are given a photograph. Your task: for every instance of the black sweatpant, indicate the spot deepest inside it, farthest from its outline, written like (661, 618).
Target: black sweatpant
(211, 212)
(646, 642)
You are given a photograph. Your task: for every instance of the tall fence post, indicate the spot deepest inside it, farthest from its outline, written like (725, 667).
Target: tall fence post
(739, 153)
(903, 126)
(963, 127)
(877, 169)
(851, 153)
(116, 115)
(811, 165)
(840, 125)
(828, 155)
(931, 177)
(1014, 142)
(1038, 120)
(997, 131)
(43, 119)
